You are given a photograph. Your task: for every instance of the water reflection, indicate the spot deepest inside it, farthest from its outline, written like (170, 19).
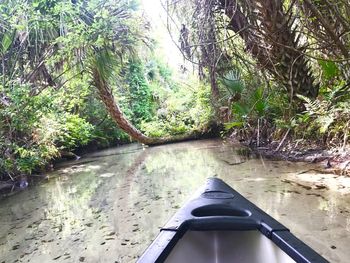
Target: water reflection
(108, 206)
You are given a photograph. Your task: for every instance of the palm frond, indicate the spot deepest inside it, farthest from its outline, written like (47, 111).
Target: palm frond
(232, 82)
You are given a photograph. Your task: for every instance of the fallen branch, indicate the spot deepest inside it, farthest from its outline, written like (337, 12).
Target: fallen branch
(282, 141)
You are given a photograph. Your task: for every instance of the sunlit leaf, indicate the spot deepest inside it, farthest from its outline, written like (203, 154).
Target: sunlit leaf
(325, 122)
(230, 125)
(5, 43)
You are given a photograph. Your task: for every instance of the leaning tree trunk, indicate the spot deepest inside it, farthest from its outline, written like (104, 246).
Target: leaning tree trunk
(269, 37)
(117, 115)
(114, 110)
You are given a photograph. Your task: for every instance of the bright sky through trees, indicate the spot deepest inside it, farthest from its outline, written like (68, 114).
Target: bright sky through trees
(167, 49)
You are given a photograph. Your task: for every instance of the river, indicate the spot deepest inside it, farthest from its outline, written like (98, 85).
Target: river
(109, 205)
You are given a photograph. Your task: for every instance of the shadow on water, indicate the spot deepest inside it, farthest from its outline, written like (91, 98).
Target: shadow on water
(109, 205)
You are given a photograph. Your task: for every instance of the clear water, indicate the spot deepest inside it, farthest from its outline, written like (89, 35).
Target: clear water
(109, 205)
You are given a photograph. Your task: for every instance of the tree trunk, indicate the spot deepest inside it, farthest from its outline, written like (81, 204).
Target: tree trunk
(117, 115)
(215, 93)
(269, 37)
(114, 110)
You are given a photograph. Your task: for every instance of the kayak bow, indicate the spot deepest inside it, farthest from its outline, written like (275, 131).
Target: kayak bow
(222, 226)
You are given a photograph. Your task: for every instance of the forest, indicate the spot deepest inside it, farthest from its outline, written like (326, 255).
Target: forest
(78, 74)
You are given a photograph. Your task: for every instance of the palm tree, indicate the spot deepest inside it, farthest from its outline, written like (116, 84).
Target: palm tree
(102, 63)
(270, 37)
(101, 71)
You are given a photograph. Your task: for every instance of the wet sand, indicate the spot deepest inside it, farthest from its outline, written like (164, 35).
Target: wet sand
(109, 205)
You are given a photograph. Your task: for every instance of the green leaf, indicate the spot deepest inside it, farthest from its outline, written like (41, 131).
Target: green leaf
(6, 43)
(232, 82)
(329, 69)
(235, 124)
(260, 107)
(239, 109)
(258, 93)
(304, 98)
(325, 122)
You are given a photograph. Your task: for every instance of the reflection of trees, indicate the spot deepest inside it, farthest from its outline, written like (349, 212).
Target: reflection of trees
(178, 171)
(86, 193)
(125, 188)
(68, 204)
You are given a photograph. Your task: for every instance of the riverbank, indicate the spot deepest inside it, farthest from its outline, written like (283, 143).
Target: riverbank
(334, 160)
(330, 167)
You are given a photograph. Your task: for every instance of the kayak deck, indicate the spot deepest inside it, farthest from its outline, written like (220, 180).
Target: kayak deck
(226, 246)
(220, 226)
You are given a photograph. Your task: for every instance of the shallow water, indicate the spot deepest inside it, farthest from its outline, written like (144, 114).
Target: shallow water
(109, 205)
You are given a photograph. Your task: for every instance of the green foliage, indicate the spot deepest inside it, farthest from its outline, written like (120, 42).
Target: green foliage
(45, 97)
(105, 132)
(139, 97)
(156, 70)
(34, 130)
(328, 116)
(234, 124)
(181, 111)
(329, 69)
(232, 81)
(249, 101)
(6, 42)
(76, 131)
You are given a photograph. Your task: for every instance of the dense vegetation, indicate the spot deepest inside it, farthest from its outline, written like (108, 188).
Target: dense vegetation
(53, 53)
(79, 72)
(282, 66)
